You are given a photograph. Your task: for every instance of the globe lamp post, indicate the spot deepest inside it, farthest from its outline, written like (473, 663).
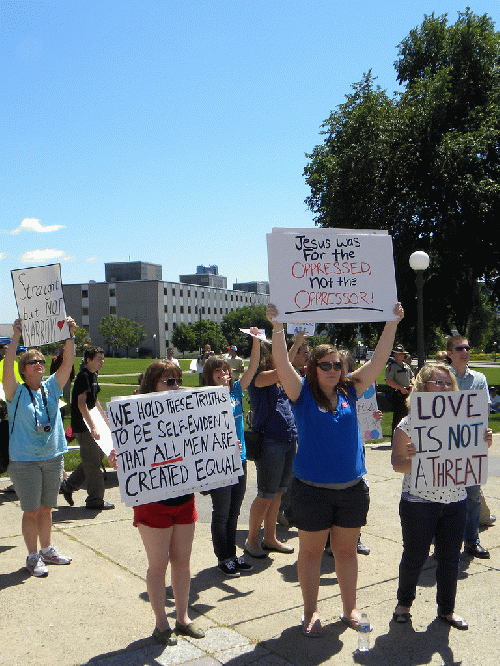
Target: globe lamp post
(419, 261)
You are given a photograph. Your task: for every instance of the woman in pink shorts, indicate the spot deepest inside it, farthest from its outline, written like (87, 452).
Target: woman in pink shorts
(167, 532)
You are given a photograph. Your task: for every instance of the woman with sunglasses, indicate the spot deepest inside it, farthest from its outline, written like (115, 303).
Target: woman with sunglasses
(429, 514)
(329, 495)
(37, 444)
(226, 501)
(167, 531)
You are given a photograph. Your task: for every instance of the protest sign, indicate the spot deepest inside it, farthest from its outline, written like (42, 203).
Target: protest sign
(40, 303)
(105, 441)
(173, 443)
(448, 430)
(331, 275)
(366, 406)
(293, 329)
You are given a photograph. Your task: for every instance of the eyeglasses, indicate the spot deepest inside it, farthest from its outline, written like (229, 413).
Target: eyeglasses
(327, 365)
(34, 361)
(462, 348)
(440, 383)
(171, 381)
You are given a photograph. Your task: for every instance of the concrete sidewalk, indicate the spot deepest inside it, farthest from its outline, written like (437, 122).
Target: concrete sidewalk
(96, 610)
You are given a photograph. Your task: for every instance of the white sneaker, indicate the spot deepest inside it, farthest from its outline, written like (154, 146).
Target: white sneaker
(35, 566)
(53, 556)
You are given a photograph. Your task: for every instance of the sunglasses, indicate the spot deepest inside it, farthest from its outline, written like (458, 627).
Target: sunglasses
(462, 348)
(327, 365)
(35, 361)
(171, 381)
(439, 383)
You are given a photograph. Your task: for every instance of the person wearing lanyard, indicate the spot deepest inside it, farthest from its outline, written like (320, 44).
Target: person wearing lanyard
(36, 445)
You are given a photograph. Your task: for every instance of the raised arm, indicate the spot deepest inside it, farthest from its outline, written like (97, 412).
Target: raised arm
(297, 344)
(64, 371)
(364, 376)
(9, 380)
(249, 373)
(288, 377)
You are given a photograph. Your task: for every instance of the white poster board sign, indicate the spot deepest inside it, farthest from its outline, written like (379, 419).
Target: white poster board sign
(448, 430)
(307, 328)
(105, 440)
(366, 406)
(331, 275)
(40, 303)
(173, 443)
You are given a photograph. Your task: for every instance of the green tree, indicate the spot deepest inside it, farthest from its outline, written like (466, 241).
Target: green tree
(81, 338)
(183, 338)
(130, 333)
(424, 165)
(250, 315)
(109, 330)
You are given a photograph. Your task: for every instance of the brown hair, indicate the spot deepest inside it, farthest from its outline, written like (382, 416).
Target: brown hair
(451, 341)
(317, 354)
(154, 372)
(212, 364)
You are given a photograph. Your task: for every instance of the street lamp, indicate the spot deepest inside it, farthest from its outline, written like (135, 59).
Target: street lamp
(154, 344)
(419, 261)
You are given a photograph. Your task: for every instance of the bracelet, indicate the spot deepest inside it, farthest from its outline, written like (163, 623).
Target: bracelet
(282, 330)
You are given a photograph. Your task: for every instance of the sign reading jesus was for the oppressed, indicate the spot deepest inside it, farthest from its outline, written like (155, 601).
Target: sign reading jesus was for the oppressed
(448, 432)
(323, 275)
(173, 443)
(40, 303)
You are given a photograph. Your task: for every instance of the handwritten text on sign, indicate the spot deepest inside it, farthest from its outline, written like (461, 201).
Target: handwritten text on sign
(173, 443)
(448, 430)
(40, 303)
(321, 275)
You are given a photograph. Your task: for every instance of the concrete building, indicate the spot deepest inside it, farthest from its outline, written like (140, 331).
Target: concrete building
(153, 303)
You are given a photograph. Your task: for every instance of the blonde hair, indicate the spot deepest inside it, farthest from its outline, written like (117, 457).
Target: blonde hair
(426, 373)
(28, 355)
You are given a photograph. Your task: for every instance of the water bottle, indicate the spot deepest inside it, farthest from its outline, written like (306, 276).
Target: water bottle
(363, 633)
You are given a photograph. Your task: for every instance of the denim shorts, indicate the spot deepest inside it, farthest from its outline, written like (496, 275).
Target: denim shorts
(316, 508)
(275, 467)
(37, 482)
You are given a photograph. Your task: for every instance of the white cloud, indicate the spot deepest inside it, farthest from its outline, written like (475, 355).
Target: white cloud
(3, 255)
(32, 224)
(41, 255)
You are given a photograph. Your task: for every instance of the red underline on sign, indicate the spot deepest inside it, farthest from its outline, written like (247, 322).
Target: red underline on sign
(168, 462)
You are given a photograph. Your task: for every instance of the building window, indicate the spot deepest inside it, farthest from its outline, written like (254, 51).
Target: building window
(85, 311)
(112, 309)
(112, 292)
(85, 293)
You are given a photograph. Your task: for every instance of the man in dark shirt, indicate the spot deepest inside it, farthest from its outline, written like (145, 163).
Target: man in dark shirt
(84, 399)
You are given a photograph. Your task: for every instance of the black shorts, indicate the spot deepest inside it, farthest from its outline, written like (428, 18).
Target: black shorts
(316, 509)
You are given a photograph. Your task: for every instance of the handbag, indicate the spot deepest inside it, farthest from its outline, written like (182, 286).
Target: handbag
(254, 439)
(5, 433)
(4, 445)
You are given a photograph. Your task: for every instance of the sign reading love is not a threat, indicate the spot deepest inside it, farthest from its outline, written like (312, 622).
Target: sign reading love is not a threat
(40, 303)
(331, 275)
(173, 443)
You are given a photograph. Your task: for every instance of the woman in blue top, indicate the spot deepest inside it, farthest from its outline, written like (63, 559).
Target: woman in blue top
(226, 501)
(329, 495)
(37, 444)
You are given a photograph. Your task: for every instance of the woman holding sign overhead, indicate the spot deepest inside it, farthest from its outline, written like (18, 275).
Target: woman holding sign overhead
(226, 501)
(329, 495)
(438, 514)
(167, 531)
(37, 444)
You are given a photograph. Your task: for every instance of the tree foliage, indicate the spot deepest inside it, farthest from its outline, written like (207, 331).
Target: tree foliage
(121, 332)
(423, 164)
(250, 315)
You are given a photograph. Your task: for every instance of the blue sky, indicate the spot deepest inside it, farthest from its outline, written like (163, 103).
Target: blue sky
(174, 131)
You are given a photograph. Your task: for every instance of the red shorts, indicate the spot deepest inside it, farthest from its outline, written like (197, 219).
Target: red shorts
(161, 516)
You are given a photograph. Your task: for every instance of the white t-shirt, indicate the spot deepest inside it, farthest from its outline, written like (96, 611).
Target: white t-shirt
(441, 495)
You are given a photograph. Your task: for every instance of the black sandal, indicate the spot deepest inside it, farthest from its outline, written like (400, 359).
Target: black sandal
(166, 637)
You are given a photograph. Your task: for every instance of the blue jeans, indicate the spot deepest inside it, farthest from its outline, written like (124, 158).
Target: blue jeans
(473, 513)
(226, 504)
(420, 523)
(275, 467)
